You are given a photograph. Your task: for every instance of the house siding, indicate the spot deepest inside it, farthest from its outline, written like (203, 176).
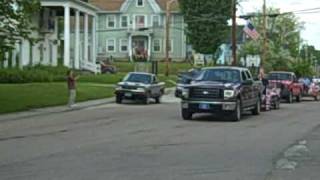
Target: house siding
(118, 33)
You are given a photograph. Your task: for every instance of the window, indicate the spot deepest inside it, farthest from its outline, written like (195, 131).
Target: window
(111, 45)
(111, 21)
(140, 3)
(156, 45)
(156, 21)
(123, 45)
(124, 21)
(140, 21)
(243, 76)
(248, 75)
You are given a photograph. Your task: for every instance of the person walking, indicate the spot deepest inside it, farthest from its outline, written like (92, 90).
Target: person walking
(71, 80)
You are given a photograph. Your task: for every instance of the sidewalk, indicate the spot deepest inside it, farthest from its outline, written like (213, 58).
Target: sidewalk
(301, 161)
(61, 109)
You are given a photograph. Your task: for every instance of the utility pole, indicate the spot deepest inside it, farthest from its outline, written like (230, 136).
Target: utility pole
(264, 53)
(168, 22)
(234, 32)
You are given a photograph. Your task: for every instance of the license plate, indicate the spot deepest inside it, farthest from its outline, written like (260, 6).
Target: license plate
(204, 106)
(128, 95)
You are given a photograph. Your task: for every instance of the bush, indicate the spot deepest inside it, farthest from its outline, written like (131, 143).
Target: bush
(26, 76)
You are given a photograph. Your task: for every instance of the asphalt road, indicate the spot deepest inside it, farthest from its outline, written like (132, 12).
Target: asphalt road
(137, 142)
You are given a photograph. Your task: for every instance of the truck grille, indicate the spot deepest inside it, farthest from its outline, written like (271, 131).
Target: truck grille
(129, 87)
(206, 93)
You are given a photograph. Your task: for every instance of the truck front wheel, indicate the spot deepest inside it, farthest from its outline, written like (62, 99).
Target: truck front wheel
(186, 114)
(236, 115)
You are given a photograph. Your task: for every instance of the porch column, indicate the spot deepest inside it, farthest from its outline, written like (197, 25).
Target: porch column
(77, 41)
(149, 47)
(66, 60)
(130, 47)
(94, 55)
(86, 39)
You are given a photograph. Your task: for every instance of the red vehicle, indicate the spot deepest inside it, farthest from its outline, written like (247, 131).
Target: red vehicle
(290, 87)
(310, 88)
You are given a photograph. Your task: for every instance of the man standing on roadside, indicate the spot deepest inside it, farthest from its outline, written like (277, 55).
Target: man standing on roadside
(71, 79)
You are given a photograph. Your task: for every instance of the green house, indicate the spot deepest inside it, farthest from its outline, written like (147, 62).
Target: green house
(135, 29)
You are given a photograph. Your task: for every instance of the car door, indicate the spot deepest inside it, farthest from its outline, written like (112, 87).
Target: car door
(155, 87)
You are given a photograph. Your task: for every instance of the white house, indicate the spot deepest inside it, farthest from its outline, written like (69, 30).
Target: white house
(74, 43)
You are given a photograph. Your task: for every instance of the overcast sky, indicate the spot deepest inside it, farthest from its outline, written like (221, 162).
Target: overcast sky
(311, 33)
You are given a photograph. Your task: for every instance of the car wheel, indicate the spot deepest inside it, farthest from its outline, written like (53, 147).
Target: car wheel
(290, 98)
(186, 114)
(146, 99)
(118, 99)
(298, 98)
(158, 99)
(236, 115)
(277, 104)
(257, 109)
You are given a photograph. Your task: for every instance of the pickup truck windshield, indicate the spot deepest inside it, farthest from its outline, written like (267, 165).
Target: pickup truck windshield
(138, 78)
(221, 75)
(280, 76)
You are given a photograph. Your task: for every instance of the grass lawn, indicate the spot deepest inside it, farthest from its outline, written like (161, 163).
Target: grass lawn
(20, 97)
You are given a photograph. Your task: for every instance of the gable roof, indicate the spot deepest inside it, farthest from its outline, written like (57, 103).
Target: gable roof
(118, 5)
(108, 5)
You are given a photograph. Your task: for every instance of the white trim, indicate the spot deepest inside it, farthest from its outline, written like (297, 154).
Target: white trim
(153, 17)
(128, 21)
(121, 44)
(115, 21)
(160, 45)
(114, 45)
(143, 3)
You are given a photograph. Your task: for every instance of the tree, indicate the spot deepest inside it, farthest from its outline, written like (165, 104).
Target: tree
(283, 34)
(15, 22)
(207, 23)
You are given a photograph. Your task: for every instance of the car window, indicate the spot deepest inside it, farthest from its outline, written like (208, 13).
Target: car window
(248, 75)
(280, 76)
(139, 78)
(220, 75)
(243, 76)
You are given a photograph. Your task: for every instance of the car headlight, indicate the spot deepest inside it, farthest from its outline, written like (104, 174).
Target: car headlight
(228, 94)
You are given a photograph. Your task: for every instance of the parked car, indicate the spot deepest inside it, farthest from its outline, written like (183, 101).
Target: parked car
(140, 86)
(290, 87)
(222, 90)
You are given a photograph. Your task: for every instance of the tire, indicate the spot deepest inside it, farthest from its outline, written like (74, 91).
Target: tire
(277, 104)
(186, 114)
(118, 99)
(236, 115)
(146, 100)
(290, 98)
(298, 98)
(158, 100)
(257, 109)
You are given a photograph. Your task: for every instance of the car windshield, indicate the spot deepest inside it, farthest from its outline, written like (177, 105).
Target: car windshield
(221, 75)
(279, 76)
(138, 78)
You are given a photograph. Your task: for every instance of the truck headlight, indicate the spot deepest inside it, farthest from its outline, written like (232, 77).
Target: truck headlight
(228, 94)
(118, 88)
(185, 93)
(141, 89)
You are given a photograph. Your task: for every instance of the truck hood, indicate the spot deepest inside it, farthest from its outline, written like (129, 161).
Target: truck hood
(132, 84)
(214, 84)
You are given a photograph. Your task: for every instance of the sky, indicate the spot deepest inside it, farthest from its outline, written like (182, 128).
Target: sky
(311, 32)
